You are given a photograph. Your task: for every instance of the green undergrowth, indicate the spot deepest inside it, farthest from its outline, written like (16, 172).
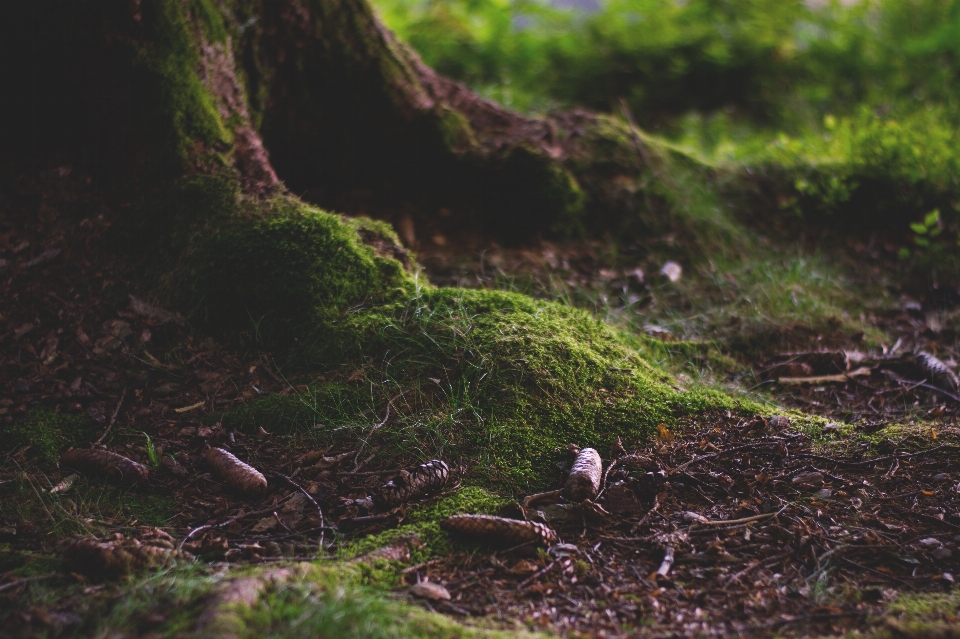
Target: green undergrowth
(867, 168)
(328, 599)
(916, 616)
(47, 433)
(323, 605)
(86, 507)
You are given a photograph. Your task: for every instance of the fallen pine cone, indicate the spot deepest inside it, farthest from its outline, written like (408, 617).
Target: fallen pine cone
(499, 530)
(422, 480)
(241, 476)
(103, 463)
(119, 557)
(584, 480)
(939, 373)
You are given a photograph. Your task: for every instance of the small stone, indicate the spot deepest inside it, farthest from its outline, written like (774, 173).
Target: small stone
(832, 427)
(942, 553)
(672, 271)
(779, 422)
(430, 590)
(825, 493)
(929, 542)
(940, 478)
(947, 579)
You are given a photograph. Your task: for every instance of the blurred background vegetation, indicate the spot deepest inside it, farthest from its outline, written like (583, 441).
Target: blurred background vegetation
(715, 66)
(850, 107)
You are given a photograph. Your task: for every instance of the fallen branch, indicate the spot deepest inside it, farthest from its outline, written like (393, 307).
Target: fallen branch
(376, 427)
(744, 520)
(826, 379)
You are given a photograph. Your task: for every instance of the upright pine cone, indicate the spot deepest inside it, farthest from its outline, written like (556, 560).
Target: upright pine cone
(103, 463)
(584, 480)
(238, 475)
(500, 530)
(422, 480)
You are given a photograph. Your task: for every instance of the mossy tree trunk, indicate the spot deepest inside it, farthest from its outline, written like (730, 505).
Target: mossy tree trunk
(173, 105)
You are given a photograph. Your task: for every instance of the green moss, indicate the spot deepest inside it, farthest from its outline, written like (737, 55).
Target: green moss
(214, 29)
(47, 432)
(186, 109)
(295, 268)
(456, 132)
(325, 607)
(916, 616)
(495, 379)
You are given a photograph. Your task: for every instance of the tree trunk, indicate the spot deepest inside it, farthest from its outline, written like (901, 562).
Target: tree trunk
(173, 105)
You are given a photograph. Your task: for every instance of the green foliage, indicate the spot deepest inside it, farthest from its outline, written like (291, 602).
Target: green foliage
(47, 433)
(788, 62)
(152, 457)
(327, 608)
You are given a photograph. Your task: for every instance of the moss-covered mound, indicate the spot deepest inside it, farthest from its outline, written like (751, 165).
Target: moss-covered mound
(496, 379)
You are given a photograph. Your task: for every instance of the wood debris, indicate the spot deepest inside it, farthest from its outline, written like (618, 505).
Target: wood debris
(237, 474)
(103, 463)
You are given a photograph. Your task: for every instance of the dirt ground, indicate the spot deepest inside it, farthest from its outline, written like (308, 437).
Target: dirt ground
(726, 526)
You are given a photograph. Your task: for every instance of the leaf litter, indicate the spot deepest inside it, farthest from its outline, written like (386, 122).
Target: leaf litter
(723, 526)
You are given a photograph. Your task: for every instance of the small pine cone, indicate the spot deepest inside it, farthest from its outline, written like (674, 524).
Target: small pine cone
(938, 372)
(499, 530)
(234, 472)
(103, 463)
(422, 480)
(584, 480)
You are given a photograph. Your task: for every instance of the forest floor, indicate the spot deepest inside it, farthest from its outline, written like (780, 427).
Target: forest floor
(722, 526)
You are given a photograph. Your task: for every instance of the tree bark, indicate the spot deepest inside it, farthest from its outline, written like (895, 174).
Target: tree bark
(173, 105)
